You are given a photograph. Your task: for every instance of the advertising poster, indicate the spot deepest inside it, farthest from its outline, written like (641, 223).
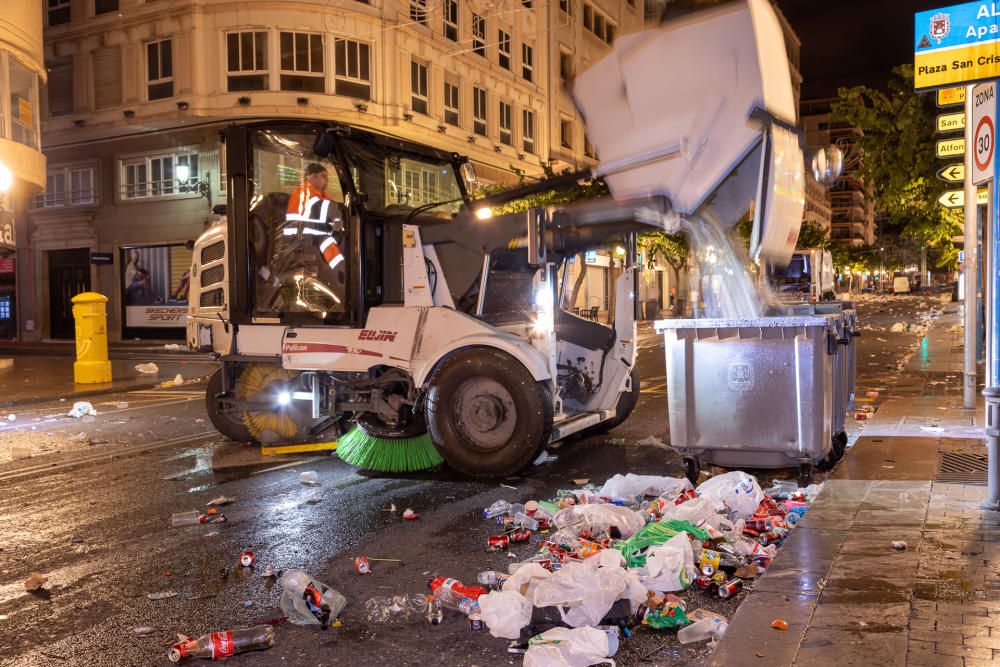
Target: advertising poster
(155, 285)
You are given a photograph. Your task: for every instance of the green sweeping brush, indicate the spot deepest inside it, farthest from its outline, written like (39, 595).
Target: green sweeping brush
(382, 454)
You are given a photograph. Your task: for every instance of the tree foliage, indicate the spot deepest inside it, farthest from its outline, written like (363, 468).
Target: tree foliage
(899, 160)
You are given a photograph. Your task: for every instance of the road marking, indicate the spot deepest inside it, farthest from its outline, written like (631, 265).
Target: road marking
(98, 456)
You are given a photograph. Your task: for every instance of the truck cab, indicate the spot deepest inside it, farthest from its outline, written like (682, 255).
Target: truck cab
(809, 276)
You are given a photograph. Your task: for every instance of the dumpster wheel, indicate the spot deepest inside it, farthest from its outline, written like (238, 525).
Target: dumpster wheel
(805, 473)
(692, 469)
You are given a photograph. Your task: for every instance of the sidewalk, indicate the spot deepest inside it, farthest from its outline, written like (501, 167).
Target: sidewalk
(34, 378)
(916, 474)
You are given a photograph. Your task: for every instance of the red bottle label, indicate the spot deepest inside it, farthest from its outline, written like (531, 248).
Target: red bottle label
(222, 645)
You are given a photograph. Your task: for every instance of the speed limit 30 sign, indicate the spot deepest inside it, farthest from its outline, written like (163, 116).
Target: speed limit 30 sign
(983, 131)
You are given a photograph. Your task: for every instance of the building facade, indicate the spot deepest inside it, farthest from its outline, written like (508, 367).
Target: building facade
(852, 201)
(138, 92)
(22, 164)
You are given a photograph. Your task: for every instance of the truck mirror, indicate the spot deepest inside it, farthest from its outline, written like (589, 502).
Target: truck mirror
(468, 172)
(324, 144)
(536, 237)
(826, 163)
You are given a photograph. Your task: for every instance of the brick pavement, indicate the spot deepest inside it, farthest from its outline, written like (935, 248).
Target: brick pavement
(846, 594)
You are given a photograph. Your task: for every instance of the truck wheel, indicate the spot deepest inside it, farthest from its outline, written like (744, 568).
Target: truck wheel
(228, 423)
(626, 404)
(486, 414)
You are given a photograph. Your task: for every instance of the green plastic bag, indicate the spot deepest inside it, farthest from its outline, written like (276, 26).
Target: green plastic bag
(658, 533)
(668, 617)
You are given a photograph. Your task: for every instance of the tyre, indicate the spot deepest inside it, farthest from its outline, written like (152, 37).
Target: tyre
(228, 423)
(486, 414)
(626, 404)
(692, 469)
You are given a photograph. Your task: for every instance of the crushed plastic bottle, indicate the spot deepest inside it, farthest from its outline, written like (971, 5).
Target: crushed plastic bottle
(398, 608)
(526, 521)
(492, 578)
(453, 591)
(307, 601)
(498, 508)
(705, 628)
(220, 645)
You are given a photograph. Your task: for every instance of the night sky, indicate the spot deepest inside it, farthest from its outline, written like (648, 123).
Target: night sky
(851, 42)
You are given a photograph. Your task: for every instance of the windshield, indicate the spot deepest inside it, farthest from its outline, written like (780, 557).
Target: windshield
(297, 230)
(796, 275)
(395, 182)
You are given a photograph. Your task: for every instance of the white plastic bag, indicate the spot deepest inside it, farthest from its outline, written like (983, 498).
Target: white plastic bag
(526, 579)
(626, 486)
(149, 368)
(82, 409)
(563, 647)
(505, 612)
(669, 566)
(598, 519)
(736, 490)
(583, 593)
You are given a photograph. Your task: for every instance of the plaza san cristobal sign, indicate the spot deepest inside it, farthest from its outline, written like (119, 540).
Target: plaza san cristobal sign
(956, 44)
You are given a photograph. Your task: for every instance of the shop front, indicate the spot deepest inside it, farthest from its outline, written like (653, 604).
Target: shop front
(154, 288)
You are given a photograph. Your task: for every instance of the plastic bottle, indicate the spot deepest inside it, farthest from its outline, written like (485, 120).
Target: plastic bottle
(192, 518)
(525, 521)
(399, 607)
(496, 509)
(492, 578)
(706, 628)
(435, 610)
(307, 601)
(453, 590)
(219, 645)
(476, 619)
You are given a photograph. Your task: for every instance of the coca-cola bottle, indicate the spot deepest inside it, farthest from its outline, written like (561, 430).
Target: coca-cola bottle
(452, 590)
(219, 645)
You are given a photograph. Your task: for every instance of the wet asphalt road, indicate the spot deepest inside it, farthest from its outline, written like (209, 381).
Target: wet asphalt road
(101, 531)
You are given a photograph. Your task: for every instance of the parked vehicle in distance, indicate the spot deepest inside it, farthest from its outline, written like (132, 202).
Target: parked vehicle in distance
(900, 285)
(809, 276)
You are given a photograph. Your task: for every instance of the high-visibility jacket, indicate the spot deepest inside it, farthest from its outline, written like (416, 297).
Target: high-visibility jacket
(310, 209)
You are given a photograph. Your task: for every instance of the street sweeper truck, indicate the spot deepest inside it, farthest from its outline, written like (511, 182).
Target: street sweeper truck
(355, 289)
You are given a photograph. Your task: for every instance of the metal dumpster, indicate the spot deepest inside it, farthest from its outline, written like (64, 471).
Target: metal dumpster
(751, 392)
(845, 361)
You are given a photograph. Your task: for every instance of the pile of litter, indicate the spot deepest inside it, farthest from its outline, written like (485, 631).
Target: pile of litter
(612, 558)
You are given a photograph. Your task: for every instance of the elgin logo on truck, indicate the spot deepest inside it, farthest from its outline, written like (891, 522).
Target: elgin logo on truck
(380, 335)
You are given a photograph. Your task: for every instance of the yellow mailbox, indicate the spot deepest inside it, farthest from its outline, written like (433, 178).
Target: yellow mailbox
(90, 314)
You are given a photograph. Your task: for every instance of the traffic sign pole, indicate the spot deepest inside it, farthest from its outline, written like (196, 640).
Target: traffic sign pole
(971, 236)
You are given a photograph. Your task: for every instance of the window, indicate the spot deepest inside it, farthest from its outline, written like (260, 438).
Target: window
(247, 56)
(506, 133)
(107, 77)
(159, 69)
(418, 87)
(566, 133)
(598, 24)
(528, 130)
(566, 6)
(156, 175)
(479, 111)
(302, 62)
(23, 102)
(83, 186)
(105, 6)
(479, 35)
(588, 148)
(503, 48)
(58, 12)
(59, 88)
(418, 11)
(565, 66)
(451, 19)
(527, 4)
(55, 190)
(353, 69)
(528, 62)
(451, 103)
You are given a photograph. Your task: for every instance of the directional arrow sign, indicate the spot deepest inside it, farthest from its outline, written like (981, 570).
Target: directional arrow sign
(947, 97)
(951, 122)
(956, 198)
(953, 173)
(951, 147)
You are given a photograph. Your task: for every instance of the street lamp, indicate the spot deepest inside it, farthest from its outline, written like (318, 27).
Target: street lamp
(183, 173)
(6, 178)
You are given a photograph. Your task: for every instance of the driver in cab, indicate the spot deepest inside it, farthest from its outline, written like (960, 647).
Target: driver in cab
(309, 206)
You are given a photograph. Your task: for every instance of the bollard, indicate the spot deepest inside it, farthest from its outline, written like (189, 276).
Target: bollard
(992, 395)
(90, 314)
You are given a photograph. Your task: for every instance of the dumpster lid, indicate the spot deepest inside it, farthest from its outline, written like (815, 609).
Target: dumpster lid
(746, 322)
